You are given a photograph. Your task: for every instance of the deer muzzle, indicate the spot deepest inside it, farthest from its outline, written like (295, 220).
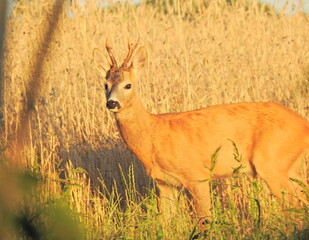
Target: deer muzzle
(113, 106)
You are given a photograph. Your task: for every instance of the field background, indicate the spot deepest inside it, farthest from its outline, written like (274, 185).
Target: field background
(200, 53)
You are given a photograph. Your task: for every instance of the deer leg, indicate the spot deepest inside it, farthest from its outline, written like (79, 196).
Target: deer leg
(167, 206)
(277, 183)
(277, 176)
(300, 186)
(201, 199)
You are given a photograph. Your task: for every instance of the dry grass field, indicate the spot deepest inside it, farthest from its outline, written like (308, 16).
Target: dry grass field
(200, 53)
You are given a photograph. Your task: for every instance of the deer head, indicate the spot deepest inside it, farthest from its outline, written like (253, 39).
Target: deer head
(121, 82)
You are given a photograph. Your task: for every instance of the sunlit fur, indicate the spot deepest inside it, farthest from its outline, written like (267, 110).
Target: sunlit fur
(176, 148)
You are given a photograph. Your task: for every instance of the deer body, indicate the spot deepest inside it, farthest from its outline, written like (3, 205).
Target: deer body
(176, 148)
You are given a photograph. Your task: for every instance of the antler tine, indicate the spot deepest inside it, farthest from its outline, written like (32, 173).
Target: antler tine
(130, 53)
(111, 55)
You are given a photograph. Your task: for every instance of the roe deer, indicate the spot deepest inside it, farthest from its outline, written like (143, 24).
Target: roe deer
(176, 148)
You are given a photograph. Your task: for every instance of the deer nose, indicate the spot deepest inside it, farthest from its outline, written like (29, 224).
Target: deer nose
(111, 104)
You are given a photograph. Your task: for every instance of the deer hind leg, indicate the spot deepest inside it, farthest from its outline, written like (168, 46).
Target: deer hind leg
(299, 182)
(276, 171)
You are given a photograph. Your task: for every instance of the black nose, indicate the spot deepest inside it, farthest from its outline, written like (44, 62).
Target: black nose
(111, 104)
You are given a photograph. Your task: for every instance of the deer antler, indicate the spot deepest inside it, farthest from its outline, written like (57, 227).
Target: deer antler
(131, 47)
(111, 55)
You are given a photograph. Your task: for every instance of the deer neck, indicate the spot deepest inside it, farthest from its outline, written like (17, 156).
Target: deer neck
(136, 125)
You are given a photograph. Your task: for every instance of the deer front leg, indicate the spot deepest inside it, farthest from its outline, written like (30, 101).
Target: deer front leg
(167, 206)
(201, 200)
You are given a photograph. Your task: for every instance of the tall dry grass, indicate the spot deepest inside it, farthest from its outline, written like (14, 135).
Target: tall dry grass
(201, 53)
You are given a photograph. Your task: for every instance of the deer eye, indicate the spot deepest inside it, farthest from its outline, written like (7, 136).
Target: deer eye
(128, 86)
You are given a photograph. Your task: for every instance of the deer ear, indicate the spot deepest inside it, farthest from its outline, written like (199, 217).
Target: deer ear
(139, 59)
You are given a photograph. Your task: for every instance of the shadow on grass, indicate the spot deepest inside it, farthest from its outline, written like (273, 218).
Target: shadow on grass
(109, 168)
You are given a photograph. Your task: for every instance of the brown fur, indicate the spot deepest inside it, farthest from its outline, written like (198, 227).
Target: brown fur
(176, 148)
